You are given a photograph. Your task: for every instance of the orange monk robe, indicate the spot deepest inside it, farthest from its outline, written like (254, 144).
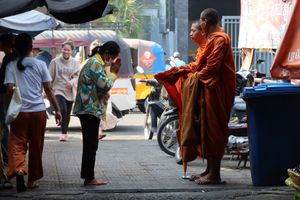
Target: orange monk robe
(194, 66)
(191, 132)
(169, 80)
(173, 78)
(190, 68)
(218, 75)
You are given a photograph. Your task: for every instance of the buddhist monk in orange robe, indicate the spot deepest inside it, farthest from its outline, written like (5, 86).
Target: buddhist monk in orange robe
(215, 69)
(173, 78)
(217, 73)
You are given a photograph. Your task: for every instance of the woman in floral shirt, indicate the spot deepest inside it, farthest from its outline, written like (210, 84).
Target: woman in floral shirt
(91, 102)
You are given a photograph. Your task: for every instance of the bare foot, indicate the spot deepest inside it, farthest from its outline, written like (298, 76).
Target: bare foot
(32, 185)
(101, 136)
(196, 176)
(205, 181)
(94, 182)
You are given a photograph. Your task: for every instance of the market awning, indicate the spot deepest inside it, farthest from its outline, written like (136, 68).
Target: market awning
(69, 11)
(31, 22)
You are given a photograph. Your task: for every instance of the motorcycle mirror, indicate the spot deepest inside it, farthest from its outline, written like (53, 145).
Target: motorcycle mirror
(140, 69)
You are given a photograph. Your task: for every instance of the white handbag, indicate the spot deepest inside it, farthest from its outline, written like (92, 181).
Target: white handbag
(15, 104)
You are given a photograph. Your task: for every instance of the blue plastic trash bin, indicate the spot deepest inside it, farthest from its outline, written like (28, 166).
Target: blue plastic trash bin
(273, 115)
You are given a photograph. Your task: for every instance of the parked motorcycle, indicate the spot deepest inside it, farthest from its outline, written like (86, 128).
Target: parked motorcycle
(238, 114)
(161, 117)
(154, 106)
(166, 134)
(244, 78)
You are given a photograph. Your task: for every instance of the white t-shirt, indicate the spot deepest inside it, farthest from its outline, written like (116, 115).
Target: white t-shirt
(30, 82)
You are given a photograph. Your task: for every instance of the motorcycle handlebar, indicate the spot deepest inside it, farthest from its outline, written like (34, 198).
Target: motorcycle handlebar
(152, 82)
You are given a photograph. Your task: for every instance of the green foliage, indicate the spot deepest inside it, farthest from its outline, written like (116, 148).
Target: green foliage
(128, 14)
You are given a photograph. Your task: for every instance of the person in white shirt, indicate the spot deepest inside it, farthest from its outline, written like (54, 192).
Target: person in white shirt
(27, 131)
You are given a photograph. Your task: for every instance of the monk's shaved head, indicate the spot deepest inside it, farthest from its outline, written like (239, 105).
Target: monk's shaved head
(211, 15)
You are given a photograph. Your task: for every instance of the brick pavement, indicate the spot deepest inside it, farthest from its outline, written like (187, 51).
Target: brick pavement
(131, 165)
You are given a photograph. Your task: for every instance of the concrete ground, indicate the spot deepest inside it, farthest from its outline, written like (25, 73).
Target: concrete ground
(135, 168)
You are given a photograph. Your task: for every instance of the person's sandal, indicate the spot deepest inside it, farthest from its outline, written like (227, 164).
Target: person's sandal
(63, 138)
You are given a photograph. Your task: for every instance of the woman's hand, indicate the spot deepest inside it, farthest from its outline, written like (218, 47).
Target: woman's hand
(115, 65)
(58, 118)
(51, 97)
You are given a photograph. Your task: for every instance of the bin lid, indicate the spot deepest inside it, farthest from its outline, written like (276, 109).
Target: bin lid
(269, 89)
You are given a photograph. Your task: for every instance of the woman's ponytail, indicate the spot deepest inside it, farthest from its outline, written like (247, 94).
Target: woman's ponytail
(110, 47)
(23, 48)
(95, 50)
(20, 66)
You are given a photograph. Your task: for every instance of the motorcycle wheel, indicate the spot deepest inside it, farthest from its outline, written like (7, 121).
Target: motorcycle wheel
(178, 157)
(148, 124)
(166, 135)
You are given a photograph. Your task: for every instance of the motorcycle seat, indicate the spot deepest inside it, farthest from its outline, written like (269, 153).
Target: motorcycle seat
(239, 104)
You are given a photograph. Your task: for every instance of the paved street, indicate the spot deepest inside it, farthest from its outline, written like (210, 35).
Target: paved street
(135, 169)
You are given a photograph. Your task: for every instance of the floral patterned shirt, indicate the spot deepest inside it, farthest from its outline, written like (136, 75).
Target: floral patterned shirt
(93, 88)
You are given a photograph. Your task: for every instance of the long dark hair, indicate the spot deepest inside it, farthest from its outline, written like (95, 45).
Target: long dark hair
(23, 44)
(70, 43)
(8, 42)
(110, 47)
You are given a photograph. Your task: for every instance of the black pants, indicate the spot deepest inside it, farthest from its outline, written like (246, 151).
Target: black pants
(65, 109)
(90, 128)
